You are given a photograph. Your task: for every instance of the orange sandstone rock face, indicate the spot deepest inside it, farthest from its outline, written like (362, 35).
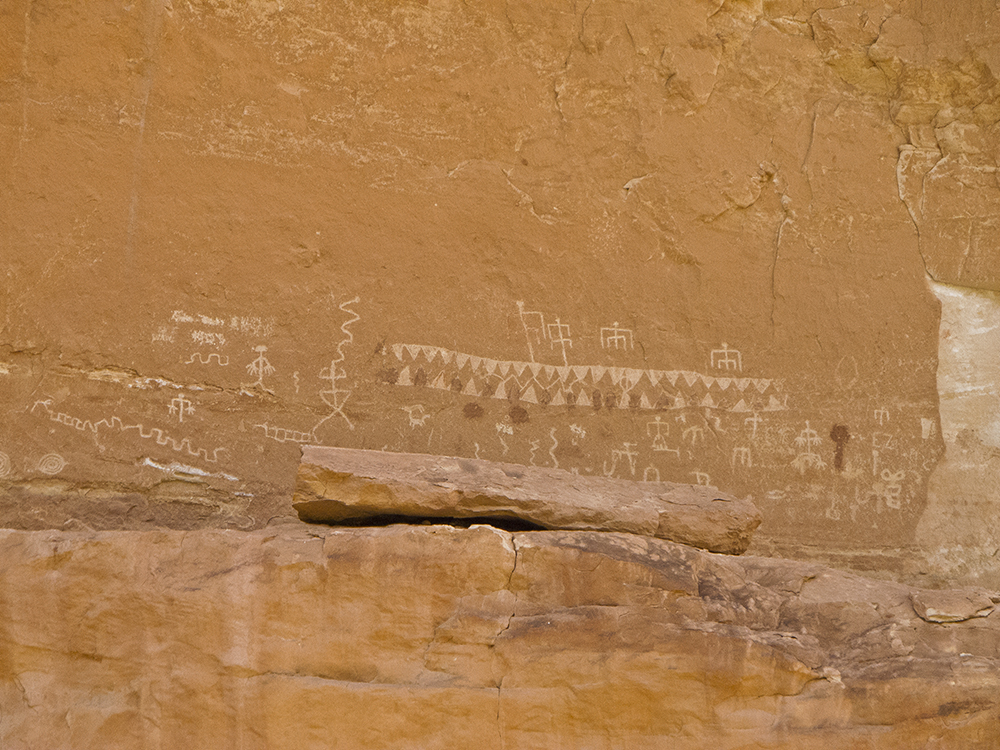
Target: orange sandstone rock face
(683, 243)
(341, 485)
(416, 637)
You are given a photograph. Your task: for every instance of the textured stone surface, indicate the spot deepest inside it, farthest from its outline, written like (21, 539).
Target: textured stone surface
(337, 485)
(686, 241)
(432, 636)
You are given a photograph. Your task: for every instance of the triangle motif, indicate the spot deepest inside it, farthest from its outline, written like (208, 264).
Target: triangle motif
(583, 399)
(691, 378)
(413, 349)
(397, 349)
(644, 402)
(529, 395)
(461, 359)
(580, 372)
(558, 399)
(742, 383)
(500, 392)
(654, 376)
(439, 382)
(707, 401)
(723, 383)
(741, 406)
(762, 385)
(404, 377)
(470, 388)
(672, 376)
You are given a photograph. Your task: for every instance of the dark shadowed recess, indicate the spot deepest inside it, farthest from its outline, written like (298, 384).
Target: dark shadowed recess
(388, 519)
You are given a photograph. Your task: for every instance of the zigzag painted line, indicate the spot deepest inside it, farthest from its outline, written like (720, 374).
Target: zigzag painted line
(350, 337)
(115, 422)
(197, 356)
(582, 395)
(562, 373)
(179, 446)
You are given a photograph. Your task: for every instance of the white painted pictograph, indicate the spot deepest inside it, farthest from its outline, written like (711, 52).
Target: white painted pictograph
(578, 433)
(208, 338)
(808, 443)
(552, 450)
(203, 359)
(282, 435)
(559, 334)
(646, 474)
(534, 328)
(4, 465)
(252, 326)
(51, 464)
(928, 428)
(114, 422)
(535, 445)
(575, 384)
(727, 359)
(416, 414)
(701, 478)
(890, 488)
(754, 421)
(504, 429)
(165, 334)
(658, 430)
(882, 415)
(694, 434)
(741, 455)
(260, 368)
(334, 396)
(627, 452)
(613, 337)
(180, 406)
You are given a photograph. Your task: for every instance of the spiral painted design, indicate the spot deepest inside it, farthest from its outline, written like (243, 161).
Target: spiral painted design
(51, 463)
(4, 464)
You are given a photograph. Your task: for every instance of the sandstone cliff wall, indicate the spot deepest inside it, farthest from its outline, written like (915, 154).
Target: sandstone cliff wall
(690, 241)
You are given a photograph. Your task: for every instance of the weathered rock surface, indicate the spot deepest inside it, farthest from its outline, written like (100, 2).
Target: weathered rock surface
(337, 485)
(437, 637)
(686, 240)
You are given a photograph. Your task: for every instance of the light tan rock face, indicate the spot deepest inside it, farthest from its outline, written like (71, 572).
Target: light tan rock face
(342, 485)
(682, 241)
(424, 637)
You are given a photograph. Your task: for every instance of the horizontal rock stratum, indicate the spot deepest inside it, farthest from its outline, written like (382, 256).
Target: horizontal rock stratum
(415, 637)
(337, 485)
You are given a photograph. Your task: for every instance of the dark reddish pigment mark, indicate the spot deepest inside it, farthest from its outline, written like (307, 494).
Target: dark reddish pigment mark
(839, 434)
(518, 414)
(472, 411)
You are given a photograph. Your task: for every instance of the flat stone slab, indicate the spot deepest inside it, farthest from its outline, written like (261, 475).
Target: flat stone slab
(348, 486)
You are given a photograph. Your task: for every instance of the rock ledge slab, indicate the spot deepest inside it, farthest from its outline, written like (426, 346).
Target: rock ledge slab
(344, 485)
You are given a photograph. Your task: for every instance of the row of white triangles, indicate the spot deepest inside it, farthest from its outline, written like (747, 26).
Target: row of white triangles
(630, 375)
(530, 395)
